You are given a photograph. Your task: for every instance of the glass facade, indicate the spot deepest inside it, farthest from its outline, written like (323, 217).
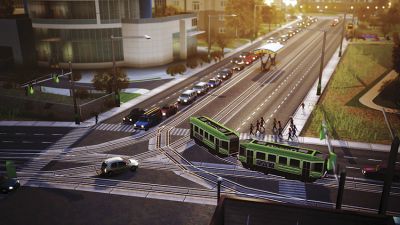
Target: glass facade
(62, 9)
(77, 46)
(112, 11)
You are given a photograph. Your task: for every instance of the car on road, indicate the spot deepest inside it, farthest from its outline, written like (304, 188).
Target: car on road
(117, 165)
(149, 119)
(201, 88)
(379, 171)
(271, 40)
(187, 97)
(8, 184)
(214, 82)
(237, 60)
(283, 38)
(225, 73)
(244, 54)
(133, 116)
(334, 22)
(169, 110)
(238, 67)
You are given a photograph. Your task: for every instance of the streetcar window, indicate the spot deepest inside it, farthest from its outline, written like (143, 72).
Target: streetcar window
(294, 162)
(282, 160)
(260, 155)
(206, 135)
(201, 132)
(317, 167)
(242, 151)
(211, 138)
(196, 129)
(224, 144)
(271, 158)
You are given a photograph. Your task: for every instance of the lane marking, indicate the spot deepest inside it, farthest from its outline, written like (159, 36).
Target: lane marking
(57, 134)
(354, 168)
(375, 160)
(8, 141)
(27, 142)
(38, 134)
(46, 142)
(20, 133)
(3, 133)
(349, 157)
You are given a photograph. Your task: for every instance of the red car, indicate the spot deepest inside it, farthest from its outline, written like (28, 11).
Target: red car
(250, 58)
(379, 172)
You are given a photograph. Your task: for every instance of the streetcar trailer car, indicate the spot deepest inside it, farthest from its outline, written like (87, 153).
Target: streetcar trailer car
(303, 163)
(219, 139)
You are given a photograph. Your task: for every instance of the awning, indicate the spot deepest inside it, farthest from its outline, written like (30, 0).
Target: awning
(270, 48)
(194, 33)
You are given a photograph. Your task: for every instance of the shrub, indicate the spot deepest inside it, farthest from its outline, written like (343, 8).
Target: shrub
(180, 68)
(171, 70)
(191, 62)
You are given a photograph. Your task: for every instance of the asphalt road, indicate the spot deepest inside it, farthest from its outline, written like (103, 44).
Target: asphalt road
(41, 206)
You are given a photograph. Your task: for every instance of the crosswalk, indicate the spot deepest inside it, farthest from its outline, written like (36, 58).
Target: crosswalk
(61, 146)
(116, 127)
(293, 188)
(179, 131)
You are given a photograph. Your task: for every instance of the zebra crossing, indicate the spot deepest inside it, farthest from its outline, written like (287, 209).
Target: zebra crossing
(60, 146)
(116, 127)
(293, 188)
(179, 131)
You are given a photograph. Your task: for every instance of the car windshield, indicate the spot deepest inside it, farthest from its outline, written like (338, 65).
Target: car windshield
(185, 96)
(144, 119)
(198, 87)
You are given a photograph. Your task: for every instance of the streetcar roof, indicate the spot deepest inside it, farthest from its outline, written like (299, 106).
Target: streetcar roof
(215, 125)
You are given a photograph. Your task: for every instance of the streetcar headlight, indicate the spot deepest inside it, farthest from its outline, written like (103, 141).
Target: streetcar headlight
(198, 92)
(179, 99)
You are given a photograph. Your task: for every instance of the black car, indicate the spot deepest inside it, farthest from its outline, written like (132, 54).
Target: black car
(133, 116)
(379, 171)
(244, 54)
(169, 110)
(225, 73)
(8, 184)
(238, 67)
(237, 60)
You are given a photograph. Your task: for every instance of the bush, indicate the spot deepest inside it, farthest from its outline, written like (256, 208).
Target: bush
(82, 93)
(171, 70)
(180, 68)
(191, 62)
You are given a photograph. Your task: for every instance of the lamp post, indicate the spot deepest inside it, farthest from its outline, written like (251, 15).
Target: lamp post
(219, 181)
(254, 20)
(117, 99)
(209, 29)
(343, 29)
(76, 114)
(321, 68)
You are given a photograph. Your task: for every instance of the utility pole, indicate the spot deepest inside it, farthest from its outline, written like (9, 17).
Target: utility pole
(339, 198)
(321, 68)
(115, 85)
(76, 114)
(341, 40)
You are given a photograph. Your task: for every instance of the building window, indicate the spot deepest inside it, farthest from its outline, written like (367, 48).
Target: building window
(221, 17)
(196, 6)
(222, 3)
(221, 30)
(194, 22)
(176, 3)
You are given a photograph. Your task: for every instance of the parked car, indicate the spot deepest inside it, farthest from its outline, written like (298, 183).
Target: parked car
(169, 110)
(214, 82)
(187, 97)
(225, 73)
(237, 60)
(379, 171)
(117, 165)
(8, 184)
(133, 116)
(149, 119)
(201, 88)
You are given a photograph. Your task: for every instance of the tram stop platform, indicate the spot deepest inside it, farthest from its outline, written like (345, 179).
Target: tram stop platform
(246, 211)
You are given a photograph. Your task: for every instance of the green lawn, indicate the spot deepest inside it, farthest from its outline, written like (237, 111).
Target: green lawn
(125, 97)
(360, 69)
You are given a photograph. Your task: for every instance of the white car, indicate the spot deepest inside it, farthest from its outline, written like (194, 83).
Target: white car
(115, 165)
(187, 97)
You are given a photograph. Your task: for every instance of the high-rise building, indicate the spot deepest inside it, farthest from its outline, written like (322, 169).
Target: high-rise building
(80, 32)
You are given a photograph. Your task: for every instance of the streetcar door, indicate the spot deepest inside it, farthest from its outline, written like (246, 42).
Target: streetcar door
(249, 157)
(216, 145)
(306, 170)
(191, 131)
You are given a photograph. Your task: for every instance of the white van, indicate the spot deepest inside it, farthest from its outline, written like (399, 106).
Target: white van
(201, 88)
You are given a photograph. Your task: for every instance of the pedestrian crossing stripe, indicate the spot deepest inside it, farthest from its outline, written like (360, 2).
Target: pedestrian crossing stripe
(180, 131)
(116, 127)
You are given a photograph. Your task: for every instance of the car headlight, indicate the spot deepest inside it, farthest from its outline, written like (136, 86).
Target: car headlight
(142, 126)
(211, 85)
(198, 92)
(179, 99)
(185, 100)
(134, 125)
(18, 181)
(164, 114)
(224, 76)
(124, 119)
(10, 188)
(363, 172)
(130, 120)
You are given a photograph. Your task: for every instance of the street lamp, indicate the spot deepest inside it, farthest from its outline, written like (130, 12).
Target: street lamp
(254, 19)
(219, 181)
(117, 100)
(321, 68)
(209, 29)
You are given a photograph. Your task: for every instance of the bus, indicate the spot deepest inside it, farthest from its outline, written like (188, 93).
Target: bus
(289, 161)
(219, 139)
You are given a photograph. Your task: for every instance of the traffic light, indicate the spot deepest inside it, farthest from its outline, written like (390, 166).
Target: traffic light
(56, 78)
(29, 90)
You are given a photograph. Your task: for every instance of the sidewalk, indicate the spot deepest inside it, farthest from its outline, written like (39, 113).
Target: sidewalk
(177, 79)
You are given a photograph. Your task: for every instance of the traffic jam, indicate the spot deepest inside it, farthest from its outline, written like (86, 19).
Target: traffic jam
(145, 119)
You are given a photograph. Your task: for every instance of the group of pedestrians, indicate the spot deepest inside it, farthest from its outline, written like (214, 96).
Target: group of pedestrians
(259, 128)
(277, 129)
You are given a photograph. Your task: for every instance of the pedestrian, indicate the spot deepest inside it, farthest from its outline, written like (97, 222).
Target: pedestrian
(275, 134)
(280, 130)
(291, 121)
(262, 121)
(290, 134)
(96, 117)
(257, 126)
(294, 130)
(251, 129)
(274, 123)
(302, 105)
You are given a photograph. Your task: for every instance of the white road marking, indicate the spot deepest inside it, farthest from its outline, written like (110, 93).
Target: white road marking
(46, 142)
(375, 160)
(8, 141)
(57, 134)
(3, 133)
(20, 133)
(27, 142)
(354, 168)
(253, 113)
(349, 157)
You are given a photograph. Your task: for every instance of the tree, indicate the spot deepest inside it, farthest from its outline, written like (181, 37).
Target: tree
(191, 62)
(104, 81)
(6, 8)
(170, 11)
(396, 53)
(268, 15)
(222, 41)
(244, 10)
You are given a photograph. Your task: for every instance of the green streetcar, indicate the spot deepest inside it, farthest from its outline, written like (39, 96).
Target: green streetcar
(303, 163)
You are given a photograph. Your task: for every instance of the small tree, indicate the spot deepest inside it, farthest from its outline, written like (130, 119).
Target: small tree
(222, 41)
(104, 81)
(170, 11)
(191, 62)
